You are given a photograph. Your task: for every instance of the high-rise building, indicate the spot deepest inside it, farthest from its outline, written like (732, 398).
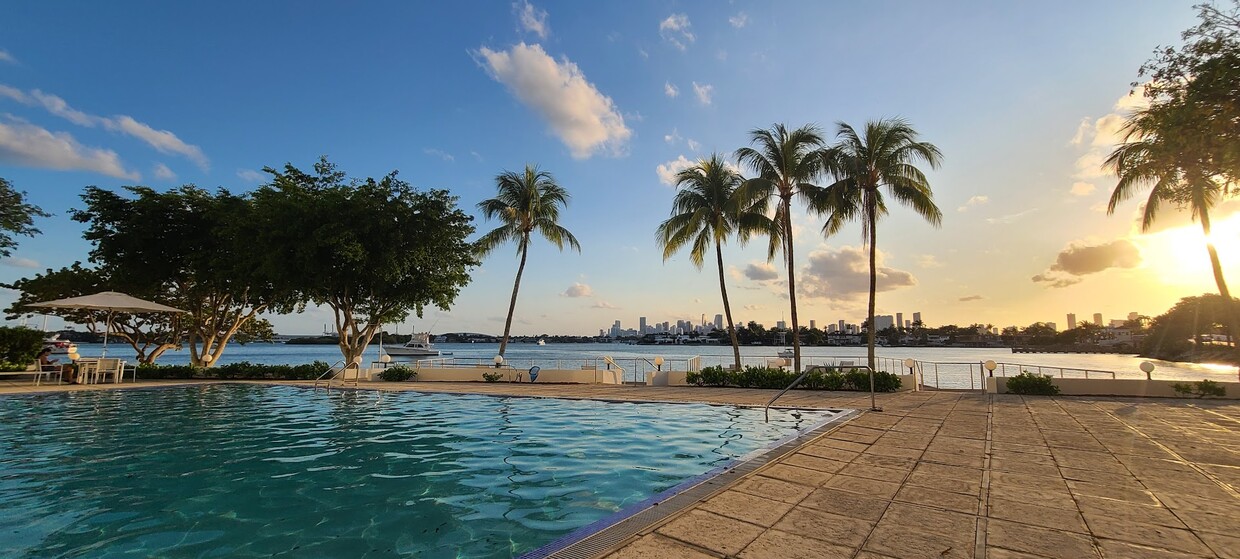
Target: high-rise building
(615, 329)
(1133, 315)
(1098, 319)
(830, 328)
(900, 320)
(1071, 321)
(813, 324)
(841, 325)
(1053, 326)
(917, 318)
(641, 328)
(781, 325)
(883, 322)
(718, 322)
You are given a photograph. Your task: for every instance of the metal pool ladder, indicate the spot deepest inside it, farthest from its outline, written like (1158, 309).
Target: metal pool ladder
(329, 376)
(873, 407)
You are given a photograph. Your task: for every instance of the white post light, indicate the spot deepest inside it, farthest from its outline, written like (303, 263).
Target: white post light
(385, 358)
(658, 363)
(990, 366)
(206, 358)
(499, 360)
(1147, 368)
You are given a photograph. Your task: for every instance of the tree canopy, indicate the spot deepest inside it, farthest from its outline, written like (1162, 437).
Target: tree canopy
(16, 217)
(373, 251)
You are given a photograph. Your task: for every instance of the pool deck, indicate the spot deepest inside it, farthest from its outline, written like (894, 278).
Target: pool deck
(949, 474)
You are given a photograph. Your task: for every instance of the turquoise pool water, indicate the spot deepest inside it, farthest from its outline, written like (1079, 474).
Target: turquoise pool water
(262, 471)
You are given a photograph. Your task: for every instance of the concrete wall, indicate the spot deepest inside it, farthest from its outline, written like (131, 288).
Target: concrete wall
(474, 374)
(1114, 387)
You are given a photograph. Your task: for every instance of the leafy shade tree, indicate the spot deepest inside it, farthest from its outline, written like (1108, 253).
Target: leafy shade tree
(373, 251)
(786, 163)
(16, 217)
(150, 335)
(882, 157)
(187, 248)
(524, 203)
(1177, 335)
(707, 210)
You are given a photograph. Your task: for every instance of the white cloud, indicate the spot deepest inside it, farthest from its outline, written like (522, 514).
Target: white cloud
(670, 90)
(440, 154)
(1082, 189)
(5, 56)
(1099, 136)
(32, 146)
(603, 305)
(844, 274)
(703, 92)
(578, 290)
(761, 271)
(1080, 259)
(250, 175)
(974, 201)
(21, 263)
(532, 19)
(968, 298)
(672, 138)
(739, 20)
(693, 145)
(162, 140)
(162, 172)
(754, 307)
(477, 156)
(929, 261)
(584, 119)
(667, 171)
(1009, 218)
(643, 53)
(675, 30)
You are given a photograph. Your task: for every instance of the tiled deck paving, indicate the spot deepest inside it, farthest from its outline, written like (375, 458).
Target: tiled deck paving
(943, 475)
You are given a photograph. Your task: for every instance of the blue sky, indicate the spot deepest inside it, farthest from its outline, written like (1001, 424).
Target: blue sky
(1021, 98)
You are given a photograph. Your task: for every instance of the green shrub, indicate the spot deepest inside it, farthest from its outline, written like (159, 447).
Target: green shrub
(235, 371)
(1028, 383)
(492, 377)
(399, 373)
(18, 347)
(714, 376)
(778, 379)
(694, 378)
(1200, 389)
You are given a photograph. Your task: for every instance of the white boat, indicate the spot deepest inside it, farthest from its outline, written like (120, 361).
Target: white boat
(59, 346)
(786, 353)
(419, 345)
(542, 342)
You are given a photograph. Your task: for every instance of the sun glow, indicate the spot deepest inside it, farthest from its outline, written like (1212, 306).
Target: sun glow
(1178, 256)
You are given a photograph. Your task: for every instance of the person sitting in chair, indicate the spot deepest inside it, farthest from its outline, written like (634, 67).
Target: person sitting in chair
(67, 372)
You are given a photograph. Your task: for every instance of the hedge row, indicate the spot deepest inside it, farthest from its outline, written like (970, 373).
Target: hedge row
(235, 371)
(766, 377)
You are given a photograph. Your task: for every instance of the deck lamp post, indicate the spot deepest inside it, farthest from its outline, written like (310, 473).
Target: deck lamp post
(990, 367)
(206, 359)
(658, 363)
(1147, 368)
(499, 360)
(910, 363)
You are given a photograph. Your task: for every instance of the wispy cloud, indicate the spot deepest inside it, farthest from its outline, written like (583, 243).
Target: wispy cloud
(250, 175)
(21, 263)
(440, 154)
(704, 92)
(6, 56)
(693, 144)
(672, 138)
(929, 261)
(739, 20)
(973, 202)
(603, 305)
(676, 30)
(31, 146)
(968, 298)
(667, 171)
(670, 90)
(1082, 188)
(162, 141)
(162, 172)
(1009, 218)
(532, 19)
(1099, 136)
(578, 290)
(584, 119)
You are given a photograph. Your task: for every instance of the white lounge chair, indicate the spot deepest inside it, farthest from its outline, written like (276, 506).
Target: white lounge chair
(106, 367)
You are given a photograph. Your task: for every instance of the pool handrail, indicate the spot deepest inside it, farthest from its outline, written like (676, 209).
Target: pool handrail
(873, 406)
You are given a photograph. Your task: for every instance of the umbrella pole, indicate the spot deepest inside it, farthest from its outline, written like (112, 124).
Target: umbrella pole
(107, 327)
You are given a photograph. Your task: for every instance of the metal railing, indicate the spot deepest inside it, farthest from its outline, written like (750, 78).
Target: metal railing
(873, 405)
(633, 370)
(1001, 369)
(339, 369)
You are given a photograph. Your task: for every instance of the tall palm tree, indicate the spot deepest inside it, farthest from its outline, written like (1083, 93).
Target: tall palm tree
(786, 163)
(707, 209)
(882, 157)
(1159, 153)
(525, 203)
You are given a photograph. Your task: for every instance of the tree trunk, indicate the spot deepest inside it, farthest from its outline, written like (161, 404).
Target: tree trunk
(792, 284)
(727, 308)
(870, 211)
(1233, 325)
(516, 285)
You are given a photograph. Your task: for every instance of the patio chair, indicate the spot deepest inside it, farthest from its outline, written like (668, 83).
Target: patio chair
(113, 367)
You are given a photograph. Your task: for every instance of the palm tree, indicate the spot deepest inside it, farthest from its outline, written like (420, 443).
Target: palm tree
(526, 202)
(1157, 152)
(707, 210)
(882, 157)
(786, 163)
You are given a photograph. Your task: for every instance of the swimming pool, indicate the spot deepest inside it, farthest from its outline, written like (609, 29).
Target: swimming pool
(244, 470)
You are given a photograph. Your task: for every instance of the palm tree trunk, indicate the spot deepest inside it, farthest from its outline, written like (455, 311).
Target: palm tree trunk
(792, 285)
(727, 308)
(512, 305)
(870, 210)
(1233, 325)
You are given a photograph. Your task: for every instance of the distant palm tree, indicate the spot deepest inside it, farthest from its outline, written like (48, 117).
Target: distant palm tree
(882, 157)
(526, 202)
(707, 210)
(786, 163)
(1157, 153)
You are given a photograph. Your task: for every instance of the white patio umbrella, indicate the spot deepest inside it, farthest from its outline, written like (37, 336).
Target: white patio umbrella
(110, 301)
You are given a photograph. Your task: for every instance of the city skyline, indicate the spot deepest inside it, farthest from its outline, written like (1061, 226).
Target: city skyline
(614, 100)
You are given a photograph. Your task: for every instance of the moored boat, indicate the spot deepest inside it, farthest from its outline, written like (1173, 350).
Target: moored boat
(419, 345)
